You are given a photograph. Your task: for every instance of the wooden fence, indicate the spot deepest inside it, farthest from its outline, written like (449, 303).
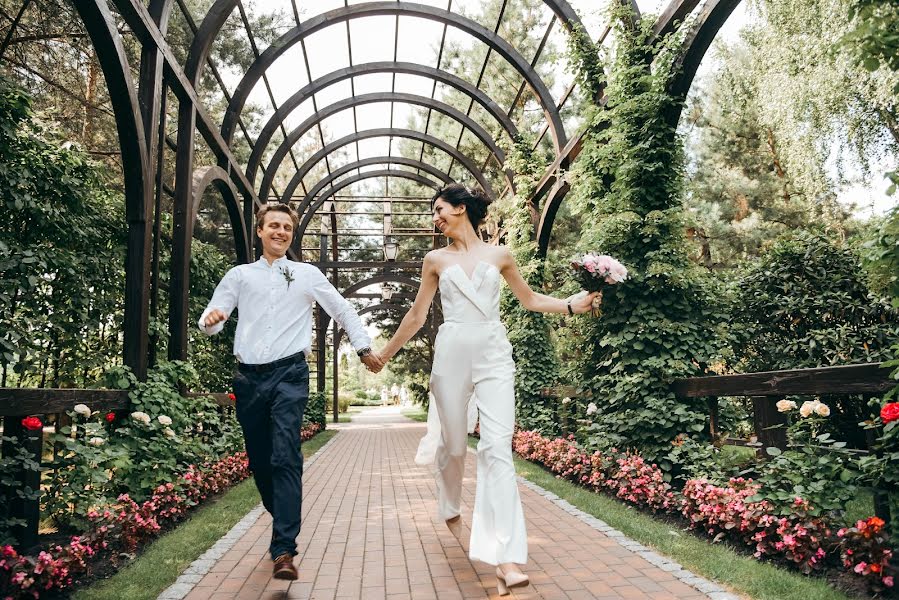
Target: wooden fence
(50, 404)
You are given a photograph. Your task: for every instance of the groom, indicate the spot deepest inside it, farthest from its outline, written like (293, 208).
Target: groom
(275, 297)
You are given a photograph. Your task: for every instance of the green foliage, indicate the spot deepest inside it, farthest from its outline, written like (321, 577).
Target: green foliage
(316, 409)
(164, 434)
(536, 365)
(660, 324)
(875, 35)
(61, 243)
(806, 304)
(881, 257)
(11, 468)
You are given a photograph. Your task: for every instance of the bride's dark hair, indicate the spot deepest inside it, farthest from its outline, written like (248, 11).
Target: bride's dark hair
(475, 200)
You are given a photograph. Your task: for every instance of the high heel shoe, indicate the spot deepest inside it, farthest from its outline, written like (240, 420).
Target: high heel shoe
(455, 527)
(505, 581)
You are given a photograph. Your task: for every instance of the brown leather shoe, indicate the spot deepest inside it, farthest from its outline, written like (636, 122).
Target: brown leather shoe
(284, 568)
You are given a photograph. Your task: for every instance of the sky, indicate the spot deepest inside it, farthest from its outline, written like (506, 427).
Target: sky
(373, 40)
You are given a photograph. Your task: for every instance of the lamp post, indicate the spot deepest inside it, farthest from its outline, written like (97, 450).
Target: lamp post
(386, 292)
(391, 249)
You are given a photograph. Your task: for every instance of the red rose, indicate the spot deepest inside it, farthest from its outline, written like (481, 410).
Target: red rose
(110, 417)
(890, 412)
(232, 397)
(32, 423)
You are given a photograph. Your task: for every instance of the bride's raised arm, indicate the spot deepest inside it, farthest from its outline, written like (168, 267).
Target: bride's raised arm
(576, 304)
(416, 316)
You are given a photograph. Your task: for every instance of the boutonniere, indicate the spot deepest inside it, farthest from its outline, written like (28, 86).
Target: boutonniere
(288, 275)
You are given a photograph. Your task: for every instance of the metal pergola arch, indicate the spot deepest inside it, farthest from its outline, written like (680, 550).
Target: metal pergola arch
(332, 109)
(393, 132)
(141, 114)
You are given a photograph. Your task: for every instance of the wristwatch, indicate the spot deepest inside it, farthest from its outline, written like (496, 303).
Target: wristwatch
(362, 352)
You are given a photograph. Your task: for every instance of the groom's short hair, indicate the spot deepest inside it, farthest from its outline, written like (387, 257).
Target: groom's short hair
(279, 207)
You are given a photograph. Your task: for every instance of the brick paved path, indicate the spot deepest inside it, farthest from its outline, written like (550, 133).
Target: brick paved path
(370, 532)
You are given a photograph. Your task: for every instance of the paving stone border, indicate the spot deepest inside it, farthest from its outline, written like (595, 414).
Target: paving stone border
(709, 588)
(200, 567)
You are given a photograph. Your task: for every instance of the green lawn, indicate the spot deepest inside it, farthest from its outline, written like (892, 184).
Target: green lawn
(159, 566)
(741, 573)
(416, 413)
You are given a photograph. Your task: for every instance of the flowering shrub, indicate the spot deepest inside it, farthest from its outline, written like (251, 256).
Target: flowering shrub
(864, 549)
(122, 525)
(102, 455)
(736, 510)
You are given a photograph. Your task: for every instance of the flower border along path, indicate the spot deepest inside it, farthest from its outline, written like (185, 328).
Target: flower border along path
(192, 575)
(802, 540)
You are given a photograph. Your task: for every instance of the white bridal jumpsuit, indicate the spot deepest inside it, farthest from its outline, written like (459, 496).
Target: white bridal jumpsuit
(473, 374)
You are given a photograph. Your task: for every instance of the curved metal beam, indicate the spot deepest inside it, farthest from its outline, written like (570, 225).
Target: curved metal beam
(366, 162)
(382, 278)
(103, 33)
(710, 21)
(203, 178)
(371, 9)
(366, 310)
(318, 202)
(294, 135)
(271, 126)
(385, 132)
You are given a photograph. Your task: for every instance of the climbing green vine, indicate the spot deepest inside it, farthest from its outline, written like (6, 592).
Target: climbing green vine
(535, 359)
(659, 325)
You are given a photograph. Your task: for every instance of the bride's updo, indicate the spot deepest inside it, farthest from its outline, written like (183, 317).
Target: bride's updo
(475, 200)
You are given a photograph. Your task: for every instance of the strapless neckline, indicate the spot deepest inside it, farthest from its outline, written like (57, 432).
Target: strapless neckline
(474, 272)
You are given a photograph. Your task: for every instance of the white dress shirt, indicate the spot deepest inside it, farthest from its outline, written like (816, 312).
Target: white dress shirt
(276, 314)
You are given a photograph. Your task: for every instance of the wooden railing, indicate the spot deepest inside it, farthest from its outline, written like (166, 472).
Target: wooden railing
(50, 404)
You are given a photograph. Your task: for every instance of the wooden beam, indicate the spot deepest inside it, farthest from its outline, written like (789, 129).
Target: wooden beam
(45, 401)
(867, 378)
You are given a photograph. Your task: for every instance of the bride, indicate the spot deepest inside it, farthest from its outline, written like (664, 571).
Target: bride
(473, 363)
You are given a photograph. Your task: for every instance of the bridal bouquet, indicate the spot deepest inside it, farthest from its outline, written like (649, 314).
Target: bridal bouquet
(595, 271)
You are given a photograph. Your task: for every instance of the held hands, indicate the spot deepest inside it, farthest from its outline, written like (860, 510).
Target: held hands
(583, 302)
(214, 318)
(373, 362)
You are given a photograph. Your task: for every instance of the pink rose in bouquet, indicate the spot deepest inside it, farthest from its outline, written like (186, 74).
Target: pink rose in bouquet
(595, 271)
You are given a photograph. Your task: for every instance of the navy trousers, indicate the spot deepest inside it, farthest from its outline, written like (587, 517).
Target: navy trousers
(270, 401)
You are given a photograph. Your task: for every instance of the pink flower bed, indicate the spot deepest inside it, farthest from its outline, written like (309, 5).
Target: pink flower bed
(124, 525)
(801, 539)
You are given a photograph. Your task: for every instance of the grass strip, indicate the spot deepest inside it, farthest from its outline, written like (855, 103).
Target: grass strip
(416, 413)
(743, 574)
(163, 561)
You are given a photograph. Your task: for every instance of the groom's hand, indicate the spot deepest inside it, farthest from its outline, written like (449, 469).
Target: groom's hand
(373, 362)
(214, 317)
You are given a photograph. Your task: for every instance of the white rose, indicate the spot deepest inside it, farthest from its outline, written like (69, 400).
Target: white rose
(96, 441)
(566, 400)
(785, 406)
(141, 416)
(82, 409)
(822, 409)
(808, 407)
(591, 408)
(168, 432)
(164, 420)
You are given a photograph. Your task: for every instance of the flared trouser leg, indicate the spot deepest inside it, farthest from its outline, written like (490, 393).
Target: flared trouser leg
(498, 533)
(451, 396)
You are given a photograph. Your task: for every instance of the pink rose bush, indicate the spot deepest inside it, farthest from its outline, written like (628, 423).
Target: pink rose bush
(123, 525)
(721, 511)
